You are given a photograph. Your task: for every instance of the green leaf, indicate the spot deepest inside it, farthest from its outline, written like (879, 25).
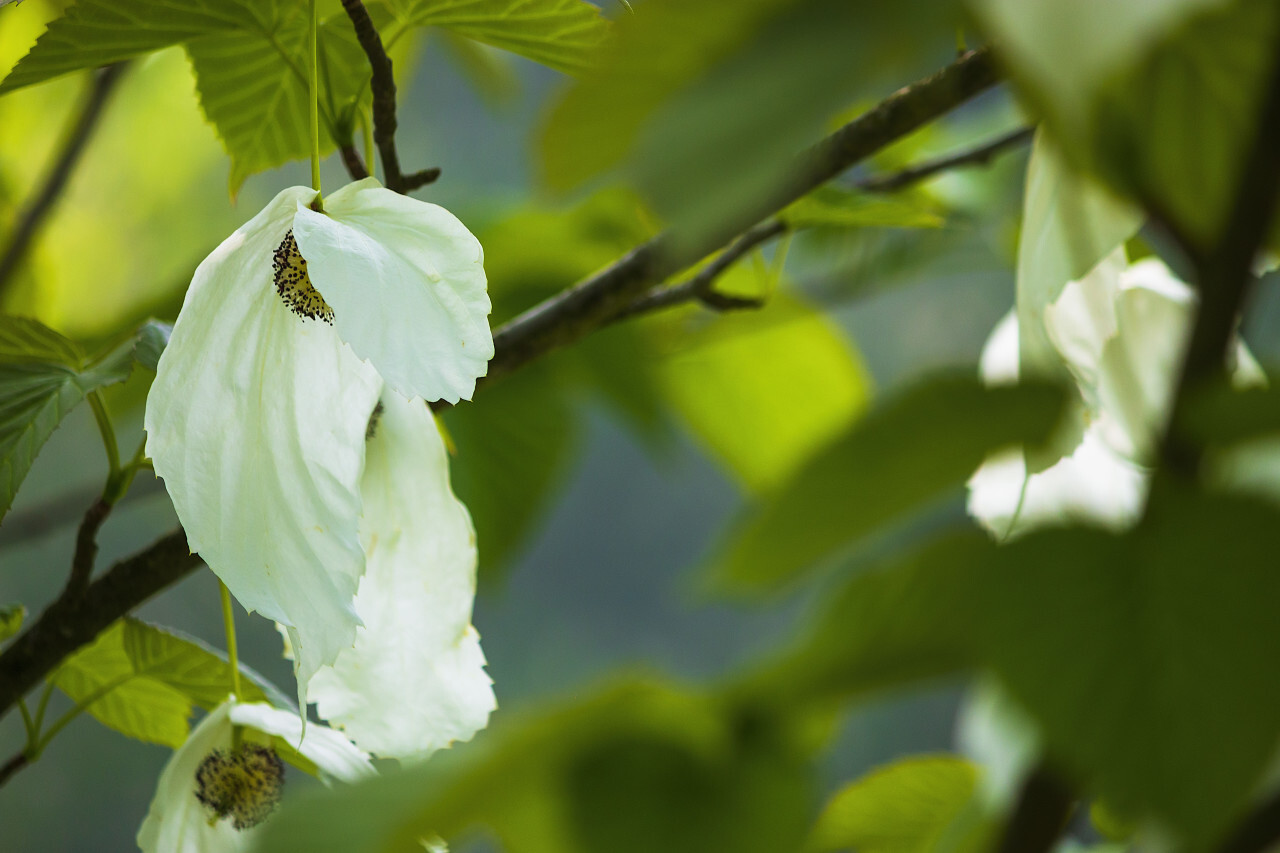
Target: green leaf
(1069, 224)
(43, 376)
(1160, 99)
(835, 207)
(1146, 659)
(913, 449)
(904, 807)
(153, 337)
(636, 767)
(250, 59)
(561, 34)
(142, 681)
(762, 390)
(510, 454)
(11, 619)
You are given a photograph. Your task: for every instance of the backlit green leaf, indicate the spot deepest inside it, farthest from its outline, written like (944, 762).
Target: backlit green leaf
(11, 618)
(913, 449)
(43, 376)
(835, 207)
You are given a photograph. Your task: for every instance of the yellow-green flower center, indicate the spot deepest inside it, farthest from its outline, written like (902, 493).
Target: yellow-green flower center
(294, 285)
(244, 784)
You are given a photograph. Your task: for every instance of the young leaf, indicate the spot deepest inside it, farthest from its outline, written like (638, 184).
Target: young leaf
(11, 618)
(911, 450)
(561, 34)
(835, 207)
(904, 807)
(142, 681)
(153, 337)
(43, 376)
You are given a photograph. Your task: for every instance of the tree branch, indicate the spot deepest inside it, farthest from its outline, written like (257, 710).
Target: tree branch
(1041, 813)
(383, 85)
(15, 763)
(978, 156)
(73, 620)
(78, 135)
(86, 547)
(571, 314)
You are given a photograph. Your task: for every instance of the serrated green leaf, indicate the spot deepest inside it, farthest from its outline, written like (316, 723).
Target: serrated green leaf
(43, 376)
(153, 337)
(11, 619)
(904, 807)
(143, 681)
(561, 34)
(910, 451)
(835, 207)
(723, 376)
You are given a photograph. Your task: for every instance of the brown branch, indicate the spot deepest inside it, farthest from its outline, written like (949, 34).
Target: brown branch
(73, 620)
(571, 314)
(978, 156)
(1041, 813)
(77, 138)
(1224, 269)
(354, 162)
(13, 765)
(383, 85)
(86, 548)
(701, 287)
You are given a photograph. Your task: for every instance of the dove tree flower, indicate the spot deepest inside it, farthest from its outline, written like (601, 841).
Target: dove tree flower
(1121, 331)
(212, 795)
(414, 681)
(289, 333)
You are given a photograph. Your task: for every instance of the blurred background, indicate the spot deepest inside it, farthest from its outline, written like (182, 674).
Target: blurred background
(601, 478)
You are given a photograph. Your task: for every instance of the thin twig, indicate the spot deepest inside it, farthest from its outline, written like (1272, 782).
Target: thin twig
(701, 286)
(978, 156)
(77, 138)
(13, 765)
(572, 313)
(354, 162)
(383, 86)
(86, 547)
(1041, 813)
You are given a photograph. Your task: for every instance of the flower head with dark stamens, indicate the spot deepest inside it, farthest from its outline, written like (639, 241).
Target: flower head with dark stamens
(243, 784)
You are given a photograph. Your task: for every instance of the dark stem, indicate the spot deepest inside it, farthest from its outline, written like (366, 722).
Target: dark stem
(73, 620)
(1041, 813)
(77, 138)
(383, 86)
(86, 547)
(572, 313)
(1224, 270)
(979, 156)
(13, 765)
(354, 162)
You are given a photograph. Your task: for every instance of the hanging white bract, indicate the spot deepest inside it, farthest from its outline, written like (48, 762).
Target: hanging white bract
(258, 414)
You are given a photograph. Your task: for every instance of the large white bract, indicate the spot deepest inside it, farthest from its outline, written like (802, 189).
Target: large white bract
(1121, 331)
(178, 822)
(258, 415)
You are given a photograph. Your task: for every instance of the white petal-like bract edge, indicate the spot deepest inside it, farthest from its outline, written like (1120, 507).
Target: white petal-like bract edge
(333, 755)
(406, 283)
(256, 423)
(414, 681)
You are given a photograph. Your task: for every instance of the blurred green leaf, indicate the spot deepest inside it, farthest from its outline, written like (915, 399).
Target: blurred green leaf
(1170, 633)
(836, 207)
(1158, 98)
(904, 807)
(1069, 224)
(511, 452)
(11, 619)
(911, 450)
(250, 59)
(142, 681)
(761, 389)
(561, 34)
(489, 70)
(638, 767)
(43, 376)
(153, 337)
(707, 102)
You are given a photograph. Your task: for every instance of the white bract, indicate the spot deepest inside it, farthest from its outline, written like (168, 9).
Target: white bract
(414, 681)
(207, 766)
(257, 417)
(1121, 331)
